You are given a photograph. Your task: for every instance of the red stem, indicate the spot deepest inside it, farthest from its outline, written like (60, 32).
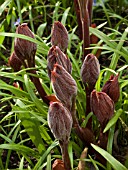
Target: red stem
(39, 87)
(31, 63)
(83, 10)
(85, 135)
(65, 155)
(90, 3)
(88, 109)
(86, 36)
(77, 9)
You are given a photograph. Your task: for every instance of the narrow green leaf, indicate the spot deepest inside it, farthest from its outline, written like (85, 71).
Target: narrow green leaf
(110, 49)
(12, 76)
(32, 126)
(42, 158)
(113, 120)
(64, 16)
(40, 29)
(28, 159)
(19, 10)
(110, 144)
(14, 130)
(6, 117)
(70, 153)
(106, 13)
(112, 44)
(6, 138)
(44, 134)
(71, 37)
(74, 61)
(124, 83)
(122, 68)
(55, 12)
(40, 105)
(31, 18)
(2, 38)
(94, 163)
(84, 123)
(21, 166)
(116, 56)
(43, 45)
(4, 5)
(115, 164)
(48, 162)
(76, 147)
(16, 91)
(19, 148)
(1, 161)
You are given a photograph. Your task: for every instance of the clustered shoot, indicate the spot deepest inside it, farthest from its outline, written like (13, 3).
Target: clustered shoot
(62, 112)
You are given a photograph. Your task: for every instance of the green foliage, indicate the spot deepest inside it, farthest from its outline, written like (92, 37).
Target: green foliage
(26, 120)
(115, 164)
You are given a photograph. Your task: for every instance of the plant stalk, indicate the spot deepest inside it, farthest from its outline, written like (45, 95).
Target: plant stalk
(39, 87)
(76, 125)
(35, 80)
(88, 108)
(86, 36)
(85, 20)
(83, 10)
(83, 134)
(90, 3)
(65, 155)
(77, 10)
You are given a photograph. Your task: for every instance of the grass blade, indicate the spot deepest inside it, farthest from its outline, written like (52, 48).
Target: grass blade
(43, 45)
(19, 148)
(64, 17)
(3, 6)
(115, 164)
(48, 162)
(113, 120)
(21, 164)
(110, 143)
(42, 158)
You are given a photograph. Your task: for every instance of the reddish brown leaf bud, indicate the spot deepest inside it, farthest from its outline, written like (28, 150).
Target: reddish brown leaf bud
(59, 36)
(14, 62)
(55, 55)
(59, 121)
(24, 49)
(111, 88)
(90, 70)
(102, 106)
(63, 85)
(58, 165)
